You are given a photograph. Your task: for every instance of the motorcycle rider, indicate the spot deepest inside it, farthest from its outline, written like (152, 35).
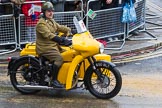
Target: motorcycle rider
(47, 42)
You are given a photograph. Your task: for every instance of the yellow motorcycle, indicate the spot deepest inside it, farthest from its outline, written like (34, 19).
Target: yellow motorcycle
(85, 66)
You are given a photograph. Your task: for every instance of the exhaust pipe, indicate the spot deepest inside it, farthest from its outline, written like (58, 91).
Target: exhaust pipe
(36, 87)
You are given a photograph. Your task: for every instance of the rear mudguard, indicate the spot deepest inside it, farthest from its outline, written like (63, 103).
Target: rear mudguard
(14, 60)
(11, 63)
(78, 59)
(97, 63)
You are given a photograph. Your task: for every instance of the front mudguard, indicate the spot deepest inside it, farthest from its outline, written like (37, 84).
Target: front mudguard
(78, 59)
(15, 60)
(110, 65)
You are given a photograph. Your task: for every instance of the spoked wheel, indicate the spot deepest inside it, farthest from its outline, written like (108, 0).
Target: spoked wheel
(108, 85)
(25, 73)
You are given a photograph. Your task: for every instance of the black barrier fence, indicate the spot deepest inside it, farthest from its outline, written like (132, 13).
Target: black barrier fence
(105, 26)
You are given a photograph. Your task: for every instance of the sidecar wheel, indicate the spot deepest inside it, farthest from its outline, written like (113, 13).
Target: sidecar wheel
(17, 75)
(108, 87)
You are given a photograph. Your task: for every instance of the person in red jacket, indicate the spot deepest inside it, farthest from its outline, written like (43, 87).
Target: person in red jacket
(31, 12)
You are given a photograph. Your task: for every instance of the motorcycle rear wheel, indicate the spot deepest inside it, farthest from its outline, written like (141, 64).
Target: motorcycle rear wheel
(108, 87)
(17, 76)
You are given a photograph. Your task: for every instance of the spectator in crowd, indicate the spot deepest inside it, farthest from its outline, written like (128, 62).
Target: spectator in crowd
(95, 5)
(122, 2)
(58, 5)
(2, 9)
(31, 12)
(78, 5)
(136, 31)
(73, 5)
(5, 8)
(69, 6)
(103, 4)
(106, 4)
(18, 2)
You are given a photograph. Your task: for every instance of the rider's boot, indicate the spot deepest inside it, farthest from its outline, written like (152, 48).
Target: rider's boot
(55, 83)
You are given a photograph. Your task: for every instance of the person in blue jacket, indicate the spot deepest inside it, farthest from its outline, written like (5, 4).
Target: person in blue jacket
(122, 2)
(136, 31)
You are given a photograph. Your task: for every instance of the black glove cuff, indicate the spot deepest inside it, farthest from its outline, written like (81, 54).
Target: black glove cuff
(58, 39)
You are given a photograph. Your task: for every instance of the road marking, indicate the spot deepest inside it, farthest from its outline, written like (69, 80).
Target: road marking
(139, 57)
(3, 65)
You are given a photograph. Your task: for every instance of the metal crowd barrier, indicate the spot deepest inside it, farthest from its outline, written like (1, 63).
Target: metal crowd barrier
(23, 31)
(26, 31)
(140, 8)
(66, 18)
(7, 32)
(107, 24)
(63, 18)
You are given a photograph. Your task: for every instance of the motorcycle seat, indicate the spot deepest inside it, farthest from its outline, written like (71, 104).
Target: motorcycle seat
(44, 60)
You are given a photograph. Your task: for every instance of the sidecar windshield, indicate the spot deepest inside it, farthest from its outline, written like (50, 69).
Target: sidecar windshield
(79, 25)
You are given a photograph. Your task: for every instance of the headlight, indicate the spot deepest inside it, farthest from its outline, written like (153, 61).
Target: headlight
(101, 45)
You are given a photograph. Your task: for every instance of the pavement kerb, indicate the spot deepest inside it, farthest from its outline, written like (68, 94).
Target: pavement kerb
(137, 50)
(116, 57)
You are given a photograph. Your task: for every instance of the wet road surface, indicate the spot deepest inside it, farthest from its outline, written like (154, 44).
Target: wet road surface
(141, 89)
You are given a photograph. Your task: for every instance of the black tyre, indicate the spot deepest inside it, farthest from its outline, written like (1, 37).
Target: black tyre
(22, 74)
(109, 86)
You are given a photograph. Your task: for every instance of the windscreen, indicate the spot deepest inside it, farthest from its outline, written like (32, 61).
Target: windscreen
(80, 26)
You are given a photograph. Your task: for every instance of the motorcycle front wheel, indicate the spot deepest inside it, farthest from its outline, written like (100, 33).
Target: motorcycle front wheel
(108, 85)
(22, 74)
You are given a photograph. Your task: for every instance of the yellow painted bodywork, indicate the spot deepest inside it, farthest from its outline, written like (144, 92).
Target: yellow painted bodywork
(83, 46)
(29, 50)
(71, 70)
(86, 64)
(67, 70)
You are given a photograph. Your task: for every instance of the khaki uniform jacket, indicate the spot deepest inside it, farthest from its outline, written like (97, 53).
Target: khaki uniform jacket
(45, 32)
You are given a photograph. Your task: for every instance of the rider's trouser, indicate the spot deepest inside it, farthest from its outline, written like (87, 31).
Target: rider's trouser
(55, 57)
